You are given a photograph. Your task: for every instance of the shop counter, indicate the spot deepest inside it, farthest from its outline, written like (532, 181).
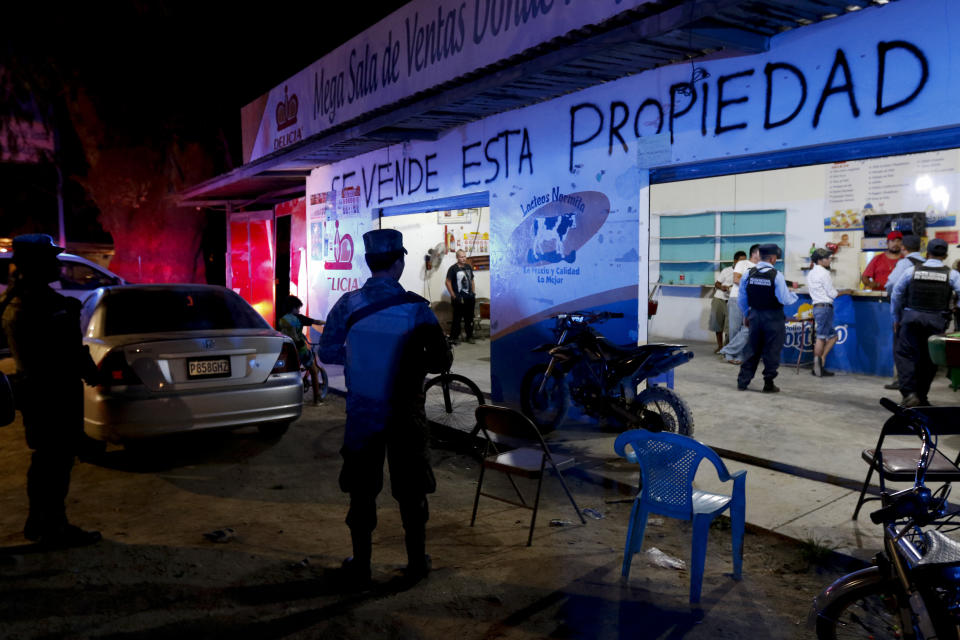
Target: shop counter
(864, 334)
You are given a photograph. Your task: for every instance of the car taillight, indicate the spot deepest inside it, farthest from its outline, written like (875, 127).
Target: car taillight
(114, 370)
(288, 360)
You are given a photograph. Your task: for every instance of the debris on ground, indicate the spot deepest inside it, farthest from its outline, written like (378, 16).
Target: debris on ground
(593, 513)
(660, 559)
(221, 535)
(560, 523)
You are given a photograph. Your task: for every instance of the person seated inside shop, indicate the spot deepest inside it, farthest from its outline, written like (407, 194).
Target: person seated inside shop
(875, 275)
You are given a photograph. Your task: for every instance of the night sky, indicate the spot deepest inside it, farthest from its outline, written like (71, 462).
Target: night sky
(157, 69)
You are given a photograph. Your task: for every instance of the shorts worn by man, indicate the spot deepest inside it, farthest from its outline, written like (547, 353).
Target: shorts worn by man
(763, 295)
(43, 331)
(920, 304)
(388, 340)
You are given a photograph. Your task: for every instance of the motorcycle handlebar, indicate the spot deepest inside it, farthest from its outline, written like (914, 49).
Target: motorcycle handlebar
(911, 503)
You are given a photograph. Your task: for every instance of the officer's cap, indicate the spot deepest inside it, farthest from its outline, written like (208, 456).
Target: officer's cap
(34, 245)
(383, 241)
(820, 254)
(769, 250)
(937, 247)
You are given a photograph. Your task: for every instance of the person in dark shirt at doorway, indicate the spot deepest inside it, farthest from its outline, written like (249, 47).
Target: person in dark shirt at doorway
(463, 296)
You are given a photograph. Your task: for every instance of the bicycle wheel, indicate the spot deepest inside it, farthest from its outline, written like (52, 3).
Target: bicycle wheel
(871, 610)
(660, 409)
(451, 400)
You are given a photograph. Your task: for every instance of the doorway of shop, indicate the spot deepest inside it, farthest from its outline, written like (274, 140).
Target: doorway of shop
(433, 237)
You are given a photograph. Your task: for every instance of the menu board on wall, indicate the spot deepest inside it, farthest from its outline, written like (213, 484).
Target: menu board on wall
(917, 182)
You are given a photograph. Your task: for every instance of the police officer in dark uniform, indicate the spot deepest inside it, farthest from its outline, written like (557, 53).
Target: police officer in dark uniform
(387, 339)
(763, 295)
(920, 304)
(43, 331)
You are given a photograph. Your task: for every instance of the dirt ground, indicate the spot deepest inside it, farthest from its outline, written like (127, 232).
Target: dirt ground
(155, 576)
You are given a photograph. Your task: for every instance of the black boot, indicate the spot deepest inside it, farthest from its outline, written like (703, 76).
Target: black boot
(769, 387)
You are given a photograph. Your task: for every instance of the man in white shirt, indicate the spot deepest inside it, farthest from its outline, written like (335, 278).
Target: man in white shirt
(822, 294)
(718, 303)
(739, 334)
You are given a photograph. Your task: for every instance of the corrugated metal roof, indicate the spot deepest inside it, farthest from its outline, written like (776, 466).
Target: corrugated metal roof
(653, 35)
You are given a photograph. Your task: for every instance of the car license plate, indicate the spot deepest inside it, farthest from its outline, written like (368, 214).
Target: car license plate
(208, 368)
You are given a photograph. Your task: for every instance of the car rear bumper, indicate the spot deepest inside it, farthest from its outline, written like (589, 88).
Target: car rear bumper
(137, 413)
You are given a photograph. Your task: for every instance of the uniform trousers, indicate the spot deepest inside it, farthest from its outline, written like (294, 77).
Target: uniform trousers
(411, 478)
(914, 366)
(767, 333)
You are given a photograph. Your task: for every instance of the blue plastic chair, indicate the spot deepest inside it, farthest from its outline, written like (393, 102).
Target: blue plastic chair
(668, 463)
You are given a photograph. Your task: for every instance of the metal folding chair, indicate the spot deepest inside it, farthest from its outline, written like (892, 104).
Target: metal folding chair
(526, 461)
(900, 464)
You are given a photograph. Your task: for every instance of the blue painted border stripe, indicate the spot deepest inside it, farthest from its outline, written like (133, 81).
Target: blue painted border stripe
(464, 201)
(930, 140)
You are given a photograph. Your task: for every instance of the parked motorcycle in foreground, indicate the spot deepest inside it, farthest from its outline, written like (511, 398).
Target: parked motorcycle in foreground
(913, 589)
(604, 379)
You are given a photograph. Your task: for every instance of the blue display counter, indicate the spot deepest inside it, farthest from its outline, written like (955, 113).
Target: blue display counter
(864, 335)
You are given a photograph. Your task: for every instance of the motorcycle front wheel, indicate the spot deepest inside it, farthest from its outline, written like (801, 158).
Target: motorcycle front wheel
(871, 610)
(660, 409)
(546, 408)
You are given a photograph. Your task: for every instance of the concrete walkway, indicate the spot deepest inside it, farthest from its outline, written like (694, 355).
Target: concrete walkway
(801, 447)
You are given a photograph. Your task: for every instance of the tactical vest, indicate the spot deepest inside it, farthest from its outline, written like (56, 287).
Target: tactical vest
(761, 293)
(930, 289)
(375, 348)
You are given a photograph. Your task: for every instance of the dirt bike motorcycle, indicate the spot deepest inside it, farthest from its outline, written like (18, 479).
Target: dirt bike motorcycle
(913, 589)
(604, 379)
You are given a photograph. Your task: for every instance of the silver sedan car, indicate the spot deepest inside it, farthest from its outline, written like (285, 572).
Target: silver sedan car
(185, 357)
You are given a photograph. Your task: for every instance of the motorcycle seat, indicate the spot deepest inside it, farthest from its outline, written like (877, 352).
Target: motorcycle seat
(632, 352)
(942, 552)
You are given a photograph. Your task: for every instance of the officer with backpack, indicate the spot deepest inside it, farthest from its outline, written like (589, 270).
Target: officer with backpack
(43, 332)
(763, 295)
(388, 340)
(920, 304)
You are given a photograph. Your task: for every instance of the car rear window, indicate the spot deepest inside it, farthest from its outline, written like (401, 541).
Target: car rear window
(131, 310)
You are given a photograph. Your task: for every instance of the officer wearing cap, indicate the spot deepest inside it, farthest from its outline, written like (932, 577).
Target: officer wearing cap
(763, 294)
(911, 257)
(388, 340)
(43, 331)
(920, 304)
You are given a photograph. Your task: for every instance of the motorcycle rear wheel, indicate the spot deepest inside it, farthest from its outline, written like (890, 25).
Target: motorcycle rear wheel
(869, 611)
(547, 409)
(660, 409)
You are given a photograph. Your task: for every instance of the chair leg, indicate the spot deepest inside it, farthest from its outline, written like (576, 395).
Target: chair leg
(476, 499)
(638, 523)
(698, 555)
(569, 495)
(863, 493)
(516, 488)
(737, 525)
(536, 504)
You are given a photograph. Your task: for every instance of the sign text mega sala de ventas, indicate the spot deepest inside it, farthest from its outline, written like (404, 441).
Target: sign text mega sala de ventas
(419, 46)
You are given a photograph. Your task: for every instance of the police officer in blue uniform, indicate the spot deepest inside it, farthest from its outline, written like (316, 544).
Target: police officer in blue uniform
(920, 304)
(43, 331)
(388, 340)
(763, 295)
